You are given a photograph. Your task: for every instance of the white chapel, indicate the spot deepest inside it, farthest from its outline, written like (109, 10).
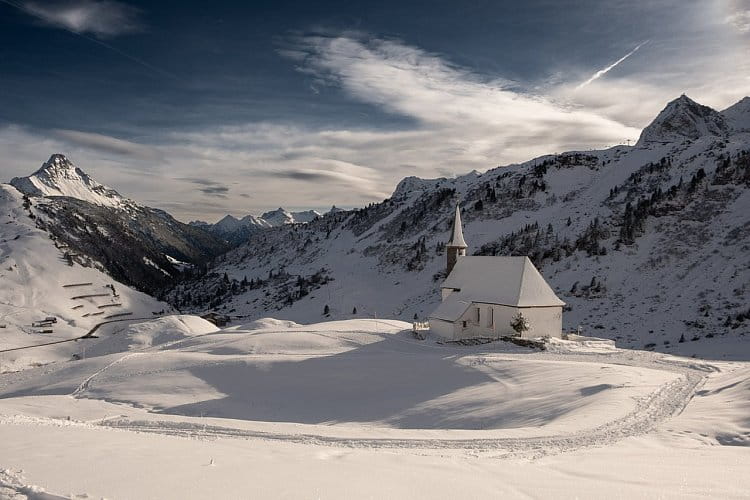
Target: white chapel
(483, 295)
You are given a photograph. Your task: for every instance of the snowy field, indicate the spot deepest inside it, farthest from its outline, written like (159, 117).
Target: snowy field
(174, 408)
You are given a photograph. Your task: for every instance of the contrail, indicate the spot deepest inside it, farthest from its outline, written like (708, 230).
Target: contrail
(19, 6)
(604, 71)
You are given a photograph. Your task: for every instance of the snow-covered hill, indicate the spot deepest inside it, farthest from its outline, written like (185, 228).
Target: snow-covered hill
(646, 244)
(40, 279)
(189, 410)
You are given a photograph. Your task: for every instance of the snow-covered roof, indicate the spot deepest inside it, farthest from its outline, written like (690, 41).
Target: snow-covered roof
(457, 235)
(509, 281)
(452, 308)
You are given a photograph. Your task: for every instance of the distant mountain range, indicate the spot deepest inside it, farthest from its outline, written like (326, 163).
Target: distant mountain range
(236, 231)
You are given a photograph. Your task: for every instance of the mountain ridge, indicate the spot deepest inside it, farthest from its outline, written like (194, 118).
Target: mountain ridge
(107, 231)
(627, 236)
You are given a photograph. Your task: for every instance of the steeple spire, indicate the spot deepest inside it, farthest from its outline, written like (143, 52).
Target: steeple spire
(457, 236)
(456, 246)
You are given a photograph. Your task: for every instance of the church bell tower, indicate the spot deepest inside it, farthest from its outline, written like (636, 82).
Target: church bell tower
(456, 245)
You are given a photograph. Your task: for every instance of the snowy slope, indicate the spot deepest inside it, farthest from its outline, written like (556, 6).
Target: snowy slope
(644, 243)
(738, 115)
(59, 177)
(330, 403)
(35, 282)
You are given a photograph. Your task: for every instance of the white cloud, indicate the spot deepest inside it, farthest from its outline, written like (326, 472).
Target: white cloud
(740, 20)
(107, 144)
(460, 122)
(103, 18)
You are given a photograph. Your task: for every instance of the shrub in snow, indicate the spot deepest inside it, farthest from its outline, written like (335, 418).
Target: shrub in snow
(519, 324)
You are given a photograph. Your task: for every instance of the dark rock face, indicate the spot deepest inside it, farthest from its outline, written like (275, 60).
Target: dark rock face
(134, 246)
(140, 246)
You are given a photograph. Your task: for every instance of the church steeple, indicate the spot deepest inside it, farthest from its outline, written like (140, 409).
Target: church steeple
(456, 245)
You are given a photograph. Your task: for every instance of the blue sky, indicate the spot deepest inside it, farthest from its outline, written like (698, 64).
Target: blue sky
(207, 108)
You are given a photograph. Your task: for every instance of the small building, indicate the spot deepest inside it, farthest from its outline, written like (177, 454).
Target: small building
(220, 320)
(483, 295)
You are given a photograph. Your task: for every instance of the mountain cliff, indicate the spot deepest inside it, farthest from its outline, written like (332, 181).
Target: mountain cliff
(142, 247)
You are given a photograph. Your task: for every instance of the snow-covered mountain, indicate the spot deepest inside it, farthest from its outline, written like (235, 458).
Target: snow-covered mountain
(738, 116)
(41, 276)
(646, 244)
(281, 216)
(684, 119)
(59, 177)
(143, 247)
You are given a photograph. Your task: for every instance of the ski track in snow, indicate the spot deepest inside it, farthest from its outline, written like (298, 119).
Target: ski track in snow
(83, 387)
(650, 411)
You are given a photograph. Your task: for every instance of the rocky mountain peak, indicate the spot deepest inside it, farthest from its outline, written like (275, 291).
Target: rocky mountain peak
(683, 119)
(412, 184)
(58, 176)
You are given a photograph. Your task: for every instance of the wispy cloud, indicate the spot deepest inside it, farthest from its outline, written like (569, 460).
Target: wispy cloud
(108, 144)
(101, 18)
(98, 18)
(208, 186)
(486, 116)
(609, 68)
(740, 20)
(457, 121)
